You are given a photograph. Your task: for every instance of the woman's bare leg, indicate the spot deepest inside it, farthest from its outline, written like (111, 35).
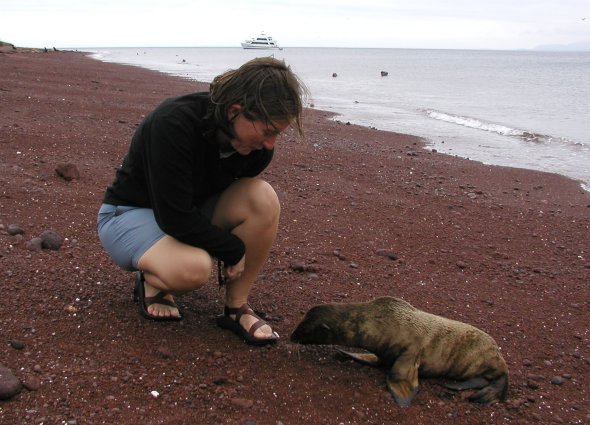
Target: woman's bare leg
(175, 268)
(250, 209)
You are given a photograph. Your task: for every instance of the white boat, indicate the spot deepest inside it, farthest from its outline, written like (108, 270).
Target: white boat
(263, 41)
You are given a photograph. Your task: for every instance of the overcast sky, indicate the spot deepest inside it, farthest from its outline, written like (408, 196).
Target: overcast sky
(453, 24)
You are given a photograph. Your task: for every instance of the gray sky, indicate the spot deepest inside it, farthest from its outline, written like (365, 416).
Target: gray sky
(453, 24)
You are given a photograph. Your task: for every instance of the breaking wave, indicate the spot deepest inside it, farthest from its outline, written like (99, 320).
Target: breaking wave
(488, 126)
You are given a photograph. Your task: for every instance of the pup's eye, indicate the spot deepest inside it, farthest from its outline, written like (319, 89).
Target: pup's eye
(325, 326)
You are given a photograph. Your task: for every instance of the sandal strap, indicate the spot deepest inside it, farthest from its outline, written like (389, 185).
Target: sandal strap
(255, 326)
(240, 311)
(159, 299)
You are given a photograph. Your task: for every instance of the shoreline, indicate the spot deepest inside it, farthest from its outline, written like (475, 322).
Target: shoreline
(365, 213)
(545, 157)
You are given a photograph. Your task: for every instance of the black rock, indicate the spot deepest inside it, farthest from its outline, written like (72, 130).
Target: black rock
(9, 384)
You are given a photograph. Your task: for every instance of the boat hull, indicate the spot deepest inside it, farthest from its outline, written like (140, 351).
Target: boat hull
(259, 47)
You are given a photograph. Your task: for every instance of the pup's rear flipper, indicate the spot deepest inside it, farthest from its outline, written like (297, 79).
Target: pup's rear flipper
(496, 391)
(365, 358)
(472, 383)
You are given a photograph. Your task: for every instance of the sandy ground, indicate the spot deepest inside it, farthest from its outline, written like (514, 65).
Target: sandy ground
(365, 213)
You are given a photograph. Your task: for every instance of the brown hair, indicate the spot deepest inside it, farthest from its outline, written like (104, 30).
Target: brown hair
(265, 88)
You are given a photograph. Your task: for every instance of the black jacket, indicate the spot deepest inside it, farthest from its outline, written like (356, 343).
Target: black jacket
(174, 164)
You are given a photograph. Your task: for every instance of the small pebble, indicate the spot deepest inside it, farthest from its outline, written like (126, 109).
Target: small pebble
(17, 345)
(14, 229)
(242, 402)
(164, 352)
(31, 383)
(558, 380)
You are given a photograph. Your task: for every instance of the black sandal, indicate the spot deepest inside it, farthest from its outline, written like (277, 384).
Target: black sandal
(226, 322)
(143, 301)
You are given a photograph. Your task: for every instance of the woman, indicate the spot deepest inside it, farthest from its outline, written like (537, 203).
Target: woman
(186, 193)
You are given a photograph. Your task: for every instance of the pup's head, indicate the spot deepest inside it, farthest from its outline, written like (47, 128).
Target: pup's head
(317, 327)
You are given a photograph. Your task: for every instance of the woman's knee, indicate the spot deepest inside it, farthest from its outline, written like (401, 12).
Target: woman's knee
(264, 199)
(195, 272)
(179, 267)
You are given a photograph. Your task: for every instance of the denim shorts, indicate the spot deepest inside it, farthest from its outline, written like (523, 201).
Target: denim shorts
(126, 233)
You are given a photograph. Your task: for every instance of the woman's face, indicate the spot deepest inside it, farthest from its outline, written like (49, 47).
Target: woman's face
(253, 135)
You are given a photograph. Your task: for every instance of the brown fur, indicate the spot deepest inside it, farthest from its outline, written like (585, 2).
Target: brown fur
(410, 342)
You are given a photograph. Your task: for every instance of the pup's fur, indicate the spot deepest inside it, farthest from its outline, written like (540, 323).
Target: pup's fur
(410, 342)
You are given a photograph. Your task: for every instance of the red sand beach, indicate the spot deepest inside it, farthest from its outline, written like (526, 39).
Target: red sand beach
(365, 213)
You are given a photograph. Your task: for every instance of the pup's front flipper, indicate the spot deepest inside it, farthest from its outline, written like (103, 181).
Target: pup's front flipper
(402, 379)
(365, 358)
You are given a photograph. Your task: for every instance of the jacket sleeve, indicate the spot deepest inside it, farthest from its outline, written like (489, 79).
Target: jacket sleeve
(169, 163)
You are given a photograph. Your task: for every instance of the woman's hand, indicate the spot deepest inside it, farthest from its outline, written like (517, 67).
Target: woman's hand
(235, 271)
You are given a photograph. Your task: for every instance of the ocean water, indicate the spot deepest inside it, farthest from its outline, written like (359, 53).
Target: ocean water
(512, 108)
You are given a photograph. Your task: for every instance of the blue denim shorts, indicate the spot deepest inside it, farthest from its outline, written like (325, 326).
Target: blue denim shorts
(126, 233)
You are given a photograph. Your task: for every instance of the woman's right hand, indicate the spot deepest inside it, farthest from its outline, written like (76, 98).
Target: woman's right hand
(235, 271)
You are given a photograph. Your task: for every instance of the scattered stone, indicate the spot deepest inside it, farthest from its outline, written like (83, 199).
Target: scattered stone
(300, 267)
(461, 264)
(516, 403)
(165, 352)
(70, 309)
(242, 402)
(387, 254)
(9, 384)
(68, 172)
(50, 239)
(31, 383)
(15, 229)
(17, 345)
(558, 380)
(339, 255)
(35, 244)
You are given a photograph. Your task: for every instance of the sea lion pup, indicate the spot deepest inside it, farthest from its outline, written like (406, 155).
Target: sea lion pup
(410, 342)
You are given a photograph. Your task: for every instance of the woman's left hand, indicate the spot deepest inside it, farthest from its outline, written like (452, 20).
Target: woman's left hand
(235, 271)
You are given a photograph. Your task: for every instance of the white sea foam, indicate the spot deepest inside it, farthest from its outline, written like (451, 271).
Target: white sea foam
(503, 130)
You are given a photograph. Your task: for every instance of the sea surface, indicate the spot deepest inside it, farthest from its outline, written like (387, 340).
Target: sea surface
(512, 108)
